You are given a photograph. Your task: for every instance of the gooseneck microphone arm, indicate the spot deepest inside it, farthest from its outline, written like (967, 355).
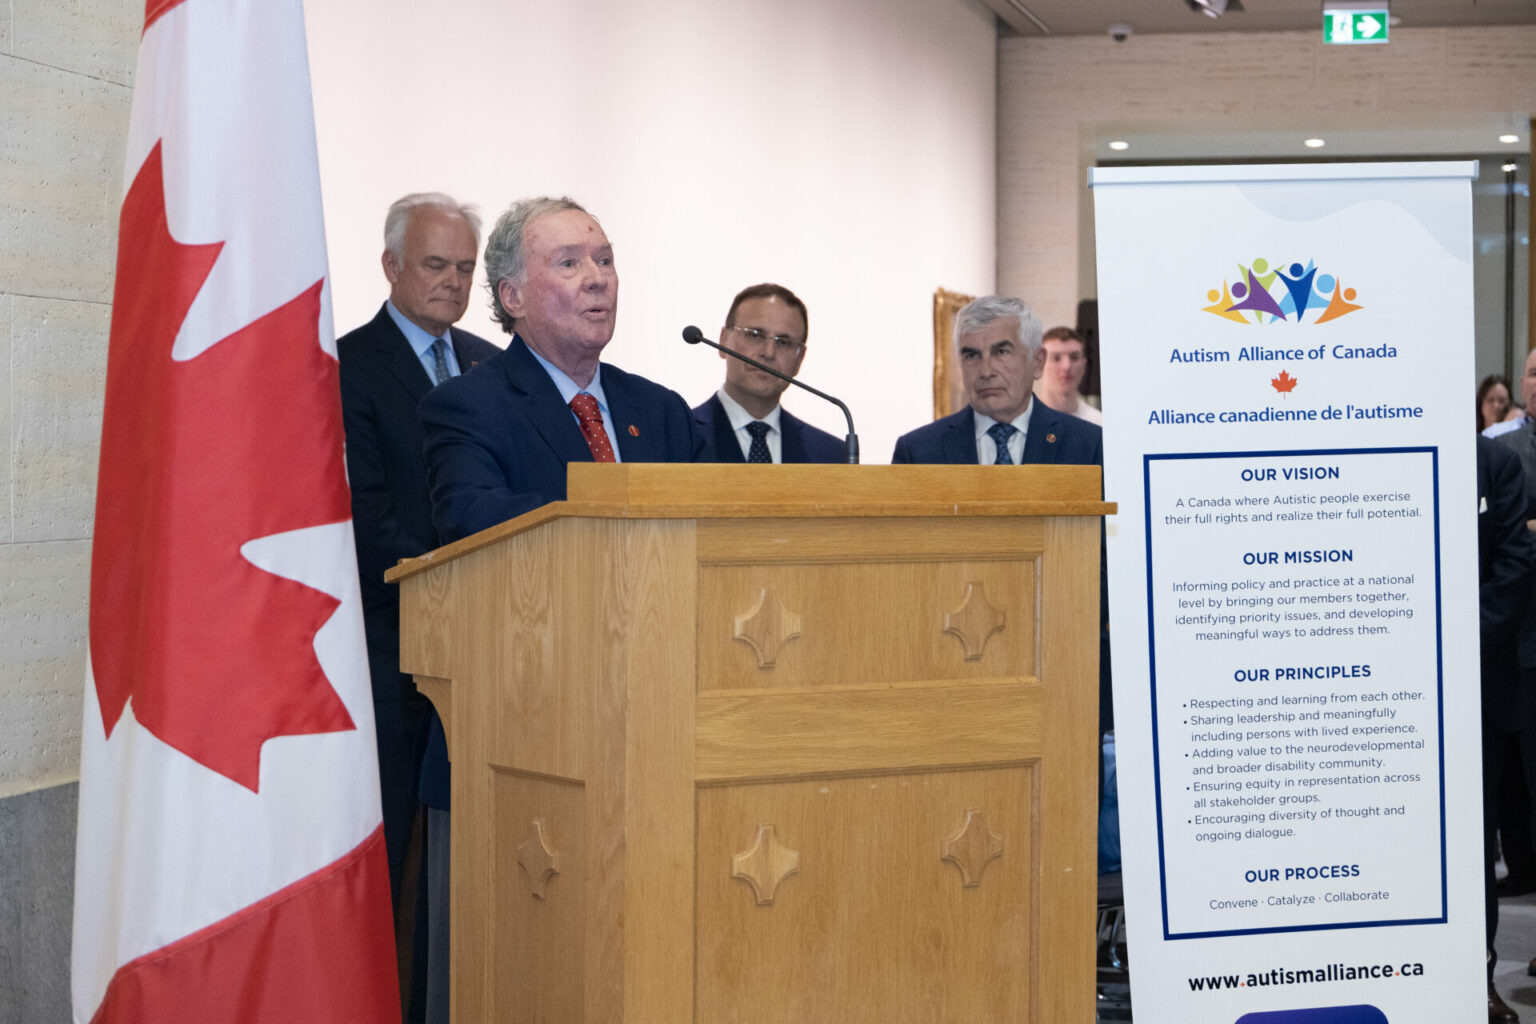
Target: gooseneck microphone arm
(693, 336)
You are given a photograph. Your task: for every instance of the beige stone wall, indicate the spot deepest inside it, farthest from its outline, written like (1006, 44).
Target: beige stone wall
(66, 67)
(1057, 96)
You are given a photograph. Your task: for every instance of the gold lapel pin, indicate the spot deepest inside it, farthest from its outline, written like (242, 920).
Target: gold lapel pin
(634, 431)
(1050, 438)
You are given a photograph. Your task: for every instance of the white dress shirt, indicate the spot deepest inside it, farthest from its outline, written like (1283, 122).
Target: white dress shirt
(986, 448)
(739, 418)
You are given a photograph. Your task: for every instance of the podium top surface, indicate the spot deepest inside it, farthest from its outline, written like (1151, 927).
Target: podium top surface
(728, 491)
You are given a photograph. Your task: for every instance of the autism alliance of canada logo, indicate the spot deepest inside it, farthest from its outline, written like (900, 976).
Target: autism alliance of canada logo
(1263, 294)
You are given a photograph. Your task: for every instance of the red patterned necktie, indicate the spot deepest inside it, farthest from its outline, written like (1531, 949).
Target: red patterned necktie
(591, 417)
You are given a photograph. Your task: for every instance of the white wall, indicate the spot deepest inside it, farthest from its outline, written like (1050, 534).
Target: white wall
(844, 148)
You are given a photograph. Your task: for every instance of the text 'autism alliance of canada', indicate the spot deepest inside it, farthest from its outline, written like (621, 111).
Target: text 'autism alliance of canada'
(1271, 414)
(1260, 354)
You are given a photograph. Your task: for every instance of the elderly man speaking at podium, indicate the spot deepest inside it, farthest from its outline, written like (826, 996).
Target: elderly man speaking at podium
(498, 438)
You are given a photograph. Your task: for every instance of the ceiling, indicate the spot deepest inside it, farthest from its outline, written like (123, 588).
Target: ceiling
(1038, 18)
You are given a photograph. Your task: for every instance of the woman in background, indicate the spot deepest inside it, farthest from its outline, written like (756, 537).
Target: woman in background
(1492, 401)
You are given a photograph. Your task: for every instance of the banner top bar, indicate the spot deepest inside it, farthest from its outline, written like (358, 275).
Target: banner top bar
(1240, 173)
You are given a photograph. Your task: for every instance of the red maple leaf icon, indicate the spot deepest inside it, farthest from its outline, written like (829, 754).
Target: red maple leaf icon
(1283, 383)
(198, 457)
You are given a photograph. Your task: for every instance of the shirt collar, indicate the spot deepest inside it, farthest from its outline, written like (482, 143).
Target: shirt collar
(568, 388)
(1020, 422)
(419, 339)
(739, 416)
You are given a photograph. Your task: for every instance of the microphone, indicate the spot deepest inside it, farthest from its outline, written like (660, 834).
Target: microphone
(693, 336)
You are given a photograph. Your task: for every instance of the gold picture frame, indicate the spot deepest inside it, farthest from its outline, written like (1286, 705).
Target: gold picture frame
(948, 389)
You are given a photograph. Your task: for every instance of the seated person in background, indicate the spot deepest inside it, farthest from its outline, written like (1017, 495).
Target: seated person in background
(1065, 364)
(1512, 422)
(998, 344)
(498, 438)
(743, 421)
(1492, 401)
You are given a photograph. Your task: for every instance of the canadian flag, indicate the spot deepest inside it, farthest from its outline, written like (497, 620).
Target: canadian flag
(230, 863)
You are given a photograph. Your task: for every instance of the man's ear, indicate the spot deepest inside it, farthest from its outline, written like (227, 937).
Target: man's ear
(510, 294)
(1039, 362)
(391, 264)
(794, 370)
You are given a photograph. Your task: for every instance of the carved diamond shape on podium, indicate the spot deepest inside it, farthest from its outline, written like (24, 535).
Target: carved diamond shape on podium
(974, 621)
(539, 859)
(767, 628)
(765, 864)
(972, 848)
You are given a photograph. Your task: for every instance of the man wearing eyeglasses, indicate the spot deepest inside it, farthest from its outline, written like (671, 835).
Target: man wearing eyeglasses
(743, 421)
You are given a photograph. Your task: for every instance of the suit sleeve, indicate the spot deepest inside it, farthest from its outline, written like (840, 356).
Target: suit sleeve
(474, 482)
(1505, 584)
(696, 439)
(903, 453)
(382, 538)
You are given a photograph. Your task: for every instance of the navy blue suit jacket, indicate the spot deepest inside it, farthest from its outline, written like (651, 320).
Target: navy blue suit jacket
(498, 438)
(800, 442)
(1505, 553)
(1053, 437)
(382, 382)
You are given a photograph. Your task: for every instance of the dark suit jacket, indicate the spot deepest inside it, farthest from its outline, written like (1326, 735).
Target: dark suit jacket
(1054, 437)
(381, 383)
(1522, 441)
(800, 441)
(498, 438)
(1505, 555)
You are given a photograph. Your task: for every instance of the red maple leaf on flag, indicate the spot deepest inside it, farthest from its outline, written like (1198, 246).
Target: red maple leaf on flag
(198, 457)
(1284, 383)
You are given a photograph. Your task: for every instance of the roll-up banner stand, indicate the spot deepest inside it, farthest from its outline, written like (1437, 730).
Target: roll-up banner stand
(1287, 374)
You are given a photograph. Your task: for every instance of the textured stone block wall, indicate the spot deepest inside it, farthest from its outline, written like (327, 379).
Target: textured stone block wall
(1057, 96)
(66, 67)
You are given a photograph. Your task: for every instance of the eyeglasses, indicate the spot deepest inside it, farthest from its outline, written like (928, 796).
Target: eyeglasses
(782, 343)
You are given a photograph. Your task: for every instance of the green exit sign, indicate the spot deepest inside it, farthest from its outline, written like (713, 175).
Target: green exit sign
(1356, 26)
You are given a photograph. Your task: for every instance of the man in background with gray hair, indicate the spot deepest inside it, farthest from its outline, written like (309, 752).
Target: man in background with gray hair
(387, 365)
(997, 342)
(498, 439)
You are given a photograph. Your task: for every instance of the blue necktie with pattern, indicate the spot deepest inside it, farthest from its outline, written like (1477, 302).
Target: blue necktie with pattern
(1000, 433)
(440, 361)
(758, 452)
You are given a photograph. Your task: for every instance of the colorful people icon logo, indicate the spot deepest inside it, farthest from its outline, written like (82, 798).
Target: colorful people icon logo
(1266, 293)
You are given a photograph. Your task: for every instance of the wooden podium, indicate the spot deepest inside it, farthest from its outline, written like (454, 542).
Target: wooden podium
(788, 744)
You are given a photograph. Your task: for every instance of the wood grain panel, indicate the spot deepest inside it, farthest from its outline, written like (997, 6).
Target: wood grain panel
(539, 974)
(1069, 762)
(655, 491)
(871, 878)
(774, 733)
(640, 484)
(756, 541)
(426, 626)
(869, 622)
